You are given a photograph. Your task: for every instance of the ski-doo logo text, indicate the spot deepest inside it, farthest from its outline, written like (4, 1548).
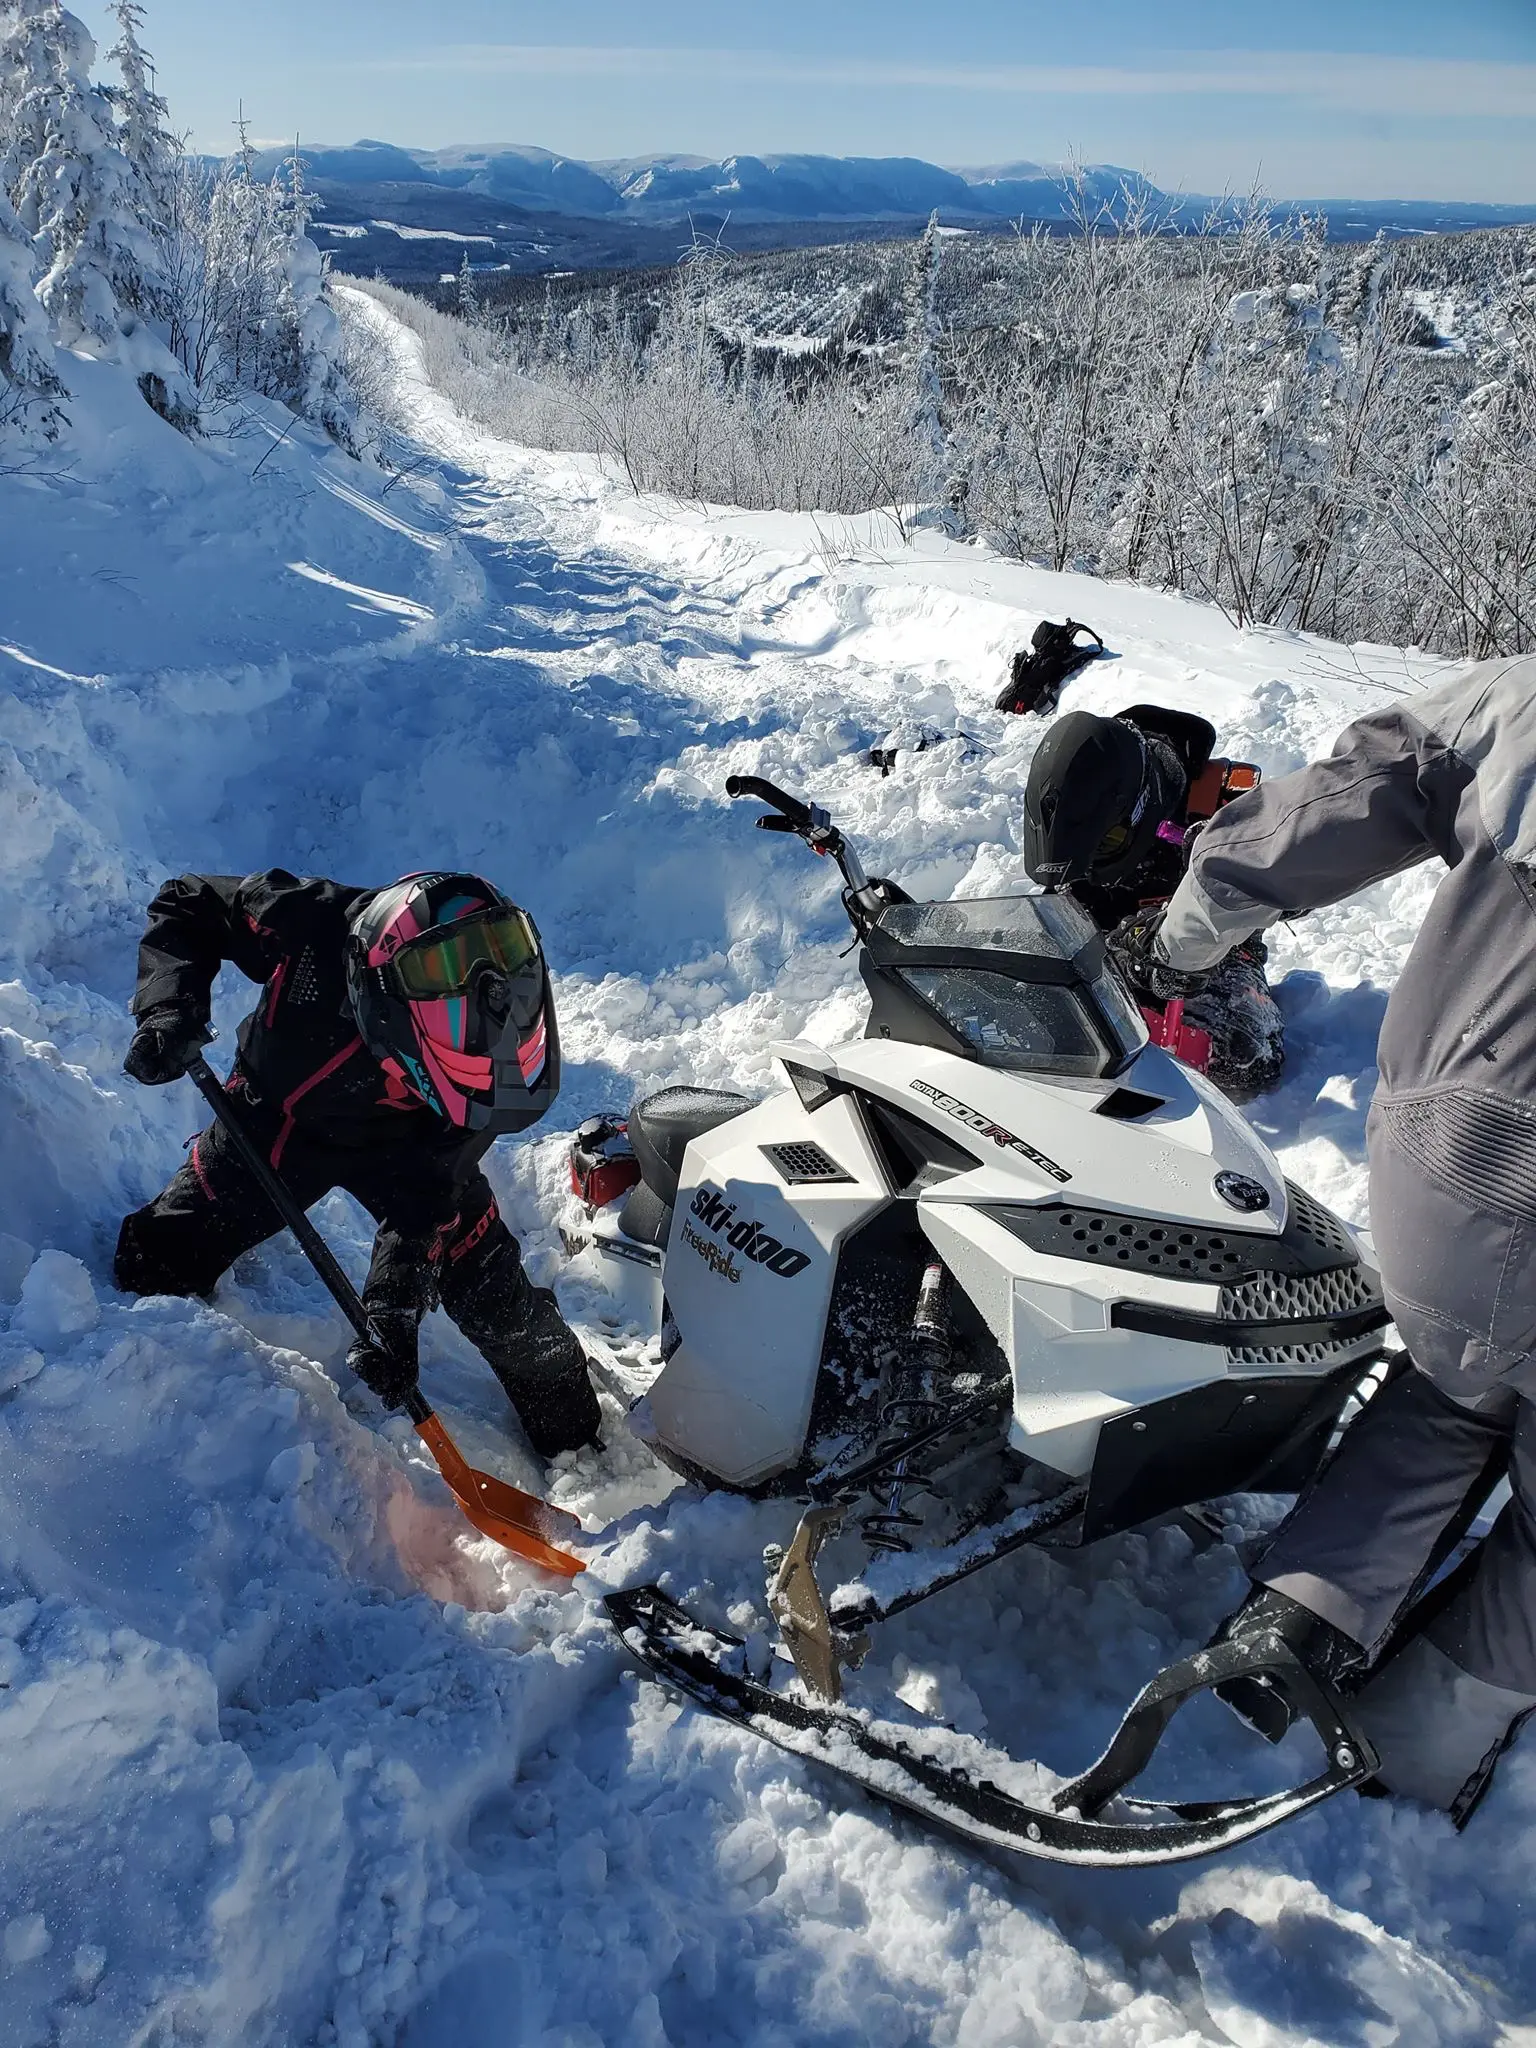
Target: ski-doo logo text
(718, 1216)
(984, 1127)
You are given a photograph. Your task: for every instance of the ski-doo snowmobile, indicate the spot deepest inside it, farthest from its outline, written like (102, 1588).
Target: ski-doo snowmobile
(1001, 1272)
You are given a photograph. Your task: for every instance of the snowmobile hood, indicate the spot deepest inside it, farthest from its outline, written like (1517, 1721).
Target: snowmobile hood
(1156, 1140)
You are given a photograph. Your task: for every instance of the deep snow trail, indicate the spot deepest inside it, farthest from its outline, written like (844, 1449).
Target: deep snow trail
(283, 1758)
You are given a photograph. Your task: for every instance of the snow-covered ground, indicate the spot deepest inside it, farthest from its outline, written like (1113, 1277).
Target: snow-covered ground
(285, 1756)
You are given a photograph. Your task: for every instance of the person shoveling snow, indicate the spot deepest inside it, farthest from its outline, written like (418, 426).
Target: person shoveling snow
(400, 1032)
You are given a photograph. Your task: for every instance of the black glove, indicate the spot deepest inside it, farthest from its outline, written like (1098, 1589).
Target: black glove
(165, 1044)
(1133, 948)
(388, 1368)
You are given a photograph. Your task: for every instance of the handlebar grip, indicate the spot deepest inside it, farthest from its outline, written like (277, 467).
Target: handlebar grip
(798, 813)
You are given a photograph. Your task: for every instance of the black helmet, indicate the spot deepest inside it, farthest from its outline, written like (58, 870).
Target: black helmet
(1098, 790)
(451, 993)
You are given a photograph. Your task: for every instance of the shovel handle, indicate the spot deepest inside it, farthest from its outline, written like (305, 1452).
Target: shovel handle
(313, 1245)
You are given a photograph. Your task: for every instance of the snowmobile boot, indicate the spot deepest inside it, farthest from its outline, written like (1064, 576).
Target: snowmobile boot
(1327, 1653)
(544, 1372)
(1237, 1009)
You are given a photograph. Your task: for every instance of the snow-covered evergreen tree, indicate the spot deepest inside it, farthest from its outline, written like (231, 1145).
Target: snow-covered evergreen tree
(468, 298)
(82, 202)
(152, 154)
(924, 334)
(316, 385)
(144, 136)
(68, 179)
(29, 384)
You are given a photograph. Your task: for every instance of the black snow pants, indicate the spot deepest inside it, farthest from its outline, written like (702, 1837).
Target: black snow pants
(213, 1210)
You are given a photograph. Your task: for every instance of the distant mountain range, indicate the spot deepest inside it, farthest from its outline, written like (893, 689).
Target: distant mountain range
(664, 188)
(525, 208)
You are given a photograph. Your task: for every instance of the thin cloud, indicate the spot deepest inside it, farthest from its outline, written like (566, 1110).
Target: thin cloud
(1362, 84)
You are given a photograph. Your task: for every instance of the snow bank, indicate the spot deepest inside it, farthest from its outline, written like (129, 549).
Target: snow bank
(285, 1755)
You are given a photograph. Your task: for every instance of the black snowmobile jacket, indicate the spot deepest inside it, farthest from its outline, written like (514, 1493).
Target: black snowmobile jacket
(309, 1085)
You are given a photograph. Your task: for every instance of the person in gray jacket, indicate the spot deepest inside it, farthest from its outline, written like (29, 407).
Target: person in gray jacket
(1448, 773)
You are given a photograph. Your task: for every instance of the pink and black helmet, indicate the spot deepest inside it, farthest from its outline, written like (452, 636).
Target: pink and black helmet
(451, 992)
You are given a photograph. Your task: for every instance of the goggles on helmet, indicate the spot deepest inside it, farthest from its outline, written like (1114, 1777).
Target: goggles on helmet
(1114, 842)
(445, 963)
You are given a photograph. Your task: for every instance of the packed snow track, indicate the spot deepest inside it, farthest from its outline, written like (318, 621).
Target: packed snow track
(287, 1755)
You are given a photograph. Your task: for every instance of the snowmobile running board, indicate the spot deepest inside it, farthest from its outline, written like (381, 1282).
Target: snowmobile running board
(862, 1605)
(886, 1760)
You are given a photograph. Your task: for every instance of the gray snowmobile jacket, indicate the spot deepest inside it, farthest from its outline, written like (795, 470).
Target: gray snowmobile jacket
(1447, 772)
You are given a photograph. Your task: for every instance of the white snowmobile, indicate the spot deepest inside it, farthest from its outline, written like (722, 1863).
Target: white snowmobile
(999, 1272)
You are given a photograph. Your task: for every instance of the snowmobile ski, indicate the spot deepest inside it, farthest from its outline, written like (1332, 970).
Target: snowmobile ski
(1087, 1820)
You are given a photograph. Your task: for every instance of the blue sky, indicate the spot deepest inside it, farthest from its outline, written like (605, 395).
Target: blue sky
(1318, 98)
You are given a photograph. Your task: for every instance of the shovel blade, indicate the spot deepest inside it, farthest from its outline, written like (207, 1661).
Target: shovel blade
(519, 1521)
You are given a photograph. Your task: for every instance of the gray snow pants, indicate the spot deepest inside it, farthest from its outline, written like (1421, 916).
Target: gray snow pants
(1410, 1476)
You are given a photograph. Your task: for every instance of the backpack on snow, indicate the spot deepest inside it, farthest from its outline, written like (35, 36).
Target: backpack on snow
(1038, 672)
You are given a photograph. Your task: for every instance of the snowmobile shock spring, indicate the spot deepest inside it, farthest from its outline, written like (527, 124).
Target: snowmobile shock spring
(906, 1417)
(885, 1529)
(911, 1414)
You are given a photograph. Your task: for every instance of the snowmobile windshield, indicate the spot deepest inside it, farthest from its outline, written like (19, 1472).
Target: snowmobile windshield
(1012, 981)
(1020, 1024)
(1045, 927)
(1124, 1018)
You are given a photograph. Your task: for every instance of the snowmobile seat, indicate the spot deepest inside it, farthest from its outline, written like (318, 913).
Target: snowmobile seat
(662, 1127)
(645, 1216)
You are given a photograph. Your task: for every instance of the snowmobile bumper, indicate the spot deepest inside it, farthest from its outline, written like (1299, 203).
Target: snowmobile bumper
(1086, 1820)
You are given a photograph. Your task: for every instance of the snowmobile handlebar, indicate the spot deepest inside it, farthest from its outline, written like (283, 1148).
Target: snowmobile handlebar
(800, 816)
(814, 825)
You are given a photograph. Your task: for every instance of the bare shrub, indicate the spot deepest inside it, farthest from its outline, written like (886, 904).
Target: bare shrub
(1269, 421)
